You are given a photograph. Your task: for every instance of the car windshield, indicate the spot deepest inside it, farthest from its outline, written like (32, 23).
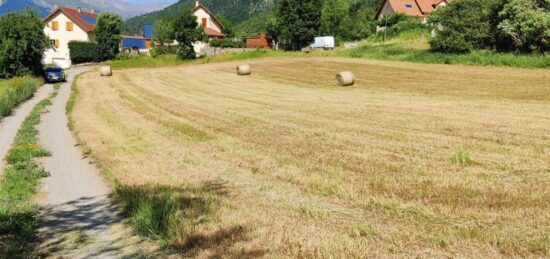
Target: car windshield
(53, 69)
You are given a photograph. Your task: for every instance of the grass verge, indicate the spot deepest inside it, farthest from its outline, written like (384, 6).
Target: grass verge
(15, 91)
(18, 214)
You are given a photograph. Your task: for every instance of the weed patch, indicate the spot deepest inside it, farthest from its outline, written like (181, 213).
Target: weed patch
(462, 158)
(15, 91)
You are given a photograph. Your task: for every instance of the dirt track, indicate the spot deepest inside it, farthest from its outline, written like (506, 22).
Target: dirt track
(78, 219)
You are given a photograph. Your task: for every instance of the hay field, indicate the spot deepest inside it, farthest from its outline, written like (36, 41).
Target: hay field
(414, 160)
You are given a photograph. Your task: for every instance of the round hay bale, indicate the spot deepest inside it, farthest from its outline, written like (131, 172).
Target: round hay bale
(106, 71)
(244, 70)
(345, 78)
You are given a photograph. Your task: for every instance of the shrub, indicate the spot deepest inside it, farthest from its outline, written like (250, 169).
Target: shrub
(82, 52)
(226, 43)
(163, 50)
(22, 44)
(15, 91)
(462, 26)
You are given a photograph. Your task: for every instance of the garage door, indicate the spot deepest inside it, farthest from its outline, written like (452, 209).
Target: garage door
(61, 62)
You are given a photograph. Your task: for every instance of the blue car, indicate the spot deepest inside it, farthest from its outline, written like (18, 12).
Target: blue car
(54, 74)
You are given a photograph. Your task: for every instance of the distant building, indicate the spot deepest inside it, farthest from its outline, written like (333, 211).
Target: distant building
(64, 25)
(139, 43)
(209, 23)
(420, 9)
(258, 42)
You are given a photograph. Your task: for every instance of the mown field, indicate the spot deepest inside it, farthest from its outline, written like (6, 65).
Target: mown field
(414, 160)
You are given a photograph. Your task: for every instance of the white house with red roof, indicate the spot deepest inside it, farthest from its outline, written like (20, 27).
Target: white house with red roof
(420, 9)
(209, 23)
(64, 25)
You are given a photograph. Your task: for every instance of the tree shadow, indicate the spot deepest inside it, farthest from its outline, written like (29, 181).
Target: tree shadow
(175, 215)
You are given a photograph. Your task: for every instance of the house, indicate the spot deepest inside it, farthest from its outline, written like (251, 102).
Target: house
(420, 9)
(211, 26)
(209, 23)
(258, 42)
(139, 43)
(64, 25)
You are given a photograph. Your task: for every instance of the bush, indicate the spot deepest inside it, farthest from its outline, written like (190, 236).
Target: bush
(226, 43)
(82, 52)
(15, 91)
(22, 44)
(163, 50)
(462, 26)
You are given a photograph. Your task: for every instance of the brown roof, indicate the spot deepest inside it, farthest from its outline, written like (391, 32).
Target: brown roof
(211, 32)
(199, 5)
(419, 8)
(76, 16)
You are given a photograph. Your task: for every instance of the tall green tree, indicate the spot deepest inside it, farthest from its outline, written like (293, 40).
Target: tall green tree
(332, 15)
(524, 25)
(462, 26)
(299, 22)
(22, 44)
(186, 32)
(108, 30)
(164, 31)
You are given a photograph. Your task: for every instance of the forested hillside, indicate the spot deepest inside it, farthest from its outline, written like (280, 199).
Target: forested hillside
(248, 16)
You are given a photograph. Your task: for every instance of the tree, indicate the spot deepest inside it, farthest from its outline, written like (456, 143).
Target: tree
(186, 32)
(163, 31)
(299, 22)
(108, 29)
(333, 14)
(22, 44)
(524, 26)
(462, 26)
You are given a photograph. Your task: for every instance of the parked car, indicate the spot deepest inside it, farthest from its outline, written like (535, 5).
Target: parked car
(323, 43)
(54, 74)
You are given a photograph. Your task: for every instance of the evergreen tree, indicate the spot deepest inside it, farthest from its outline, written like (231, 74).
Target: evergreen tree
(22, 44)
(299, 21)
(108, 30)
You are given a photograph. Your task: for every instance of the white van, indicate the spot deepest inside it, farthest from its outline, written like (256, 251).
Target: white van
(326, 42)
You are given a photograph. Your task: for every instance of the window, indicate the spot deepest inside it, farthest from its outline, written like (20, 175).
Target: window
(69, 26)
(408, 6)
(55, 43)
(204, 22)
(55, 25)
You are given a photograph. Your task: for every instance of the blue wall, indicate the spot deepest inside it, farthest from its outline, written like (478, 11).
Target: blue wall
(148, 31)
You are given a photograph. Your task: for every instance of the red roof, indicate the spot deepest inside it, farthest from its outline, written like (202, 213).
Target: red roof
(419, 8)
(211, 32)
(76, 16)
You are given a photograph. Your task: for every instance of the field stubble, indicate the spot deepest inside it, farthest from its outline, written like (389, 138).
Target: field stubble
(413, 160)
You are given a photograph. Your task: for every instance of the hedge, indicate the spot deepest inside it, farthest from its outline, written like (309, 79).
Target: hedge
(82, 52)
(15, 91)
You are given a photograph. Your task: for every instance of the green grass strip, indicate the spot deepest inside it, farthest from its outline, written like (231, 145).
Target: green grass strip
(21, 178)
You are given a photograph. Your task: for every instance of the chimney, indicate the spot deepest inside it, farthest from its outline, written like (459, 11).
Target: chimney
(196, 3)
(79, 9)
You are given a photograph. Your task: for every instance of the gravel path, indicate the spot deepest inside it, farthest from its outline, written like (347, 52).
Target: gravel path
(79, 220)
(10, 125)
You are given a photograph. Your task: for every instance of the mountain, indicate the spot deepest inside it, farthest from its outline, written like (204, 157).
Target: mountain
(122, 7)
(235, 11)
